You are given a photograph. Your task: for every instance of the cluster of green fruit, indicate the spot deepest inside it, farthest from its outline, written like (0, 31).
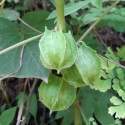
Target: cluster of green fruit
(78, 66)
(59, 51)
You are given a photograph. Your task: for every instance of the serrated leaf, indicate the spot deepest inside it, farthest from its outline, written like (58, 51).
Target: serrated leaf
(115, 100)
(121, 52)
(122, 94)
(116, 86)
(102, 85)
(119, 110)
(7, 116)
(57, 94)
(70, 8)
(120, 74)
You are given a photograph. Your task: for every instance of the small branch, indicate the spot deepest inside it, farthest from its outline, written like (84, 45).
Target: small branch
(78, 27)
(94, 24)
(22, 105)
(111, 61)
(83, 116)
(4, 92)
(60, 14)
(2, 2)
(76, 112)
(21, 56)
(20, 44)
(98, 35)
(23, 21)
(2, 6)
(43, 115)
(44, 5)
(28, 102)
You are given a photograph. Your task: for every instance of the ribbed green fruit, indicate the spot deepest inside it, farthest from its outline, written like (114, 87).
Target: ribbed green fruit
(58, 50)
(85, 70)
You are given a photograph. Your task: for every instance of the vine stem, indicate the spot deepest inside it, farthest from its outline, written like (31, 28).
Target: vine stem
(4, 92)
(20, 43)
(76, 112)
(94, 24)
(2, 5)
(83, 116)
(60, 15)
(2, 2)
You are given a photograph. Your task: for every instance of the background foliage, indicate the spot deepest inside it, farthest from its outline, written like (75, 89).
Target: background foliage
(102, 103)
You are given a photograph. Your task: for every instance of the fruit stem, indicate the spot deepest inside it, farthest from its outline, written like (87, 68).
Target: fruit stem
(60, 15)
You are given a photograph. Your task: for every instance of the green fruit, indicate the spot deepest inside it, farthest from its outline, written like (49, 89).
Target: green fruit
(86, 69)
(58, 50)
(57, 94)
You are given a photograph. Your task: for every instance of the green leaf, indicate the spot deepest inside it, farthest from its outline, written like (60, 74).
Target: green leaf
(115, 100)
(7, 116)
(97, 3)
(33, 106)
(120, 74)
(9, 35)
(65, 115)
(10, 16)
(119, 110)
(57, 94)
(116, 85)
(121, 52)
(102, 85)
(96, 103)
(16, 1)
(112, 19)
(70, 8)
(53, 2)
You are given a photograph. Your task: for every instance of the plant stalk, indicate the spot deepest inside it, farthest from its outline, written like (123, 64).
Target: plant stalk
(60, 15)
(2, 5)
(20, 44)
(94, 24)
(76, 112)
(4, 92)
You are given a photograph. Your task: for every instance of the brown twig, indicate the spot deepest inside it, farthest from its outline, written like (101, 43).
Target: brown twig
(21, 56)
(23, 21)
(43, 115)
(98, 35)
(28, 102)
(22, 105)
(111, 61)
(4, 92)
